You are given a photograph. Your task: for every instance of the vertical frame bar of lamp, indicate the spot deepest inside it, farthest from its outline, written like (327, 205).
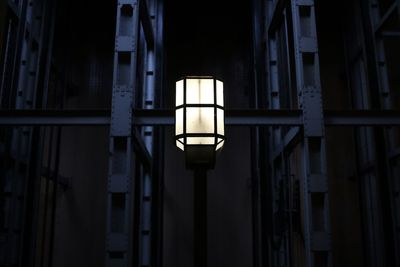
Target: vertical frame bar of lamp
(119, 196)
(389, 133)
(40, 101)
(147, 135)
(215, 112)
(314, 181)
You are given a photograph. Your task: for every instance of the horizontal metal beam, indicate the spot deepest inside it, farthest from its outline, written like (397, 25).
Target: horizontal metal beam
(153, 117)
(388, 34)
(263, 117)
(159, 117)
(232, 117)
(55, 117)
(362, 118)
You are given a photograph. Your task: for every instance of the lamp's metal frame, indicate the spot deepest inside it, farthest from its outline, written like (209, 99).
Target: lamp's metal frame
(215, 106)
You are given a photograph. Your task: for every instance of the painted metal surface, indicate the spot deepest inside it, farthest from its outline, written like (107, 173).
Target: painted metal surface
(119, 230)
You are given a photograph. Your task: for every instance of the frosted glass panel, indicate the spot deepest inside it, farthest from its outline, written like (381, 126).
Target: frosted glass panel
(220, 93)
(220, 121)
(179, 93)
(199, 91)
(220, 145)
(179, 121)
(200, 120)
(180, 145)
(200, 140)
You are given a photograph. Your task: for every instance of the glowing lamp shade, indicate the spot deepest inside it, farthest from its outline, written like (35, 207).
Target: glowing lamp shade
(199, 114)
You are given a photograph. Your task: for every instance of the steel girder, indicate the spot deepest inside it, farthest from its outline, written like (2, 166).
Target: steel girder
(160, 117)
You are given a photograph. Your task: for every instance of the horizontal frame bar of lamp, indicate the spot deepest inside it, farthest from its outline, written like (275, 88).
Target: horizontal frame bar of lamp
(159, 117)
(214, 135)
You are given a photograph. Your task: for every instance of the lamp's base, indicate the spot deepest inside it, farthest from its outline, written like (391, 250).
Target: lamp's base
(200, 156)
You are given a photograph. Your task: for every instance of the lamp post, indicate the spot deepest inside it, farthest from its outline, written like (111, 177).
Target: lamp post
(199, 132)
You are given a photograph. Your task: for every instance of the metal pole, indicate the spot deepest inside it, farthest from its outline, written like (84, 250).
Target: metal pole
(200, 218)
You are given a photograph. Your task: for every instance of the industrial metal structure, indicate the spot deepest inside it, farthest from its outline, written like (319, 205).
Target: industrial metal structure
(292, 136)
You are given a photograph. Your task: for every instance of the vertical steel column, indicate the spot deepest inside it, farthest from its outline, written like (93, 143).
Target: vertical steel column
(158, 138)
(120, 186)
(12, 180)
(258, 134)
(390, 134)
(20, 239)
(314, 180)
(274, 140)
(16, 33)
(43, 30)
(279, 81)
(145, 243)
(358, 82)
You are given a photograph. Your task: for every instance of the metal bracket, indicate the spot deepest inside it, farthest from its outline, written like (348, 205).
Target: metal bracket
(124, 44)
(305, 2)
(121, 116)
(308, 45)
(312, 113)
(317, 183)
